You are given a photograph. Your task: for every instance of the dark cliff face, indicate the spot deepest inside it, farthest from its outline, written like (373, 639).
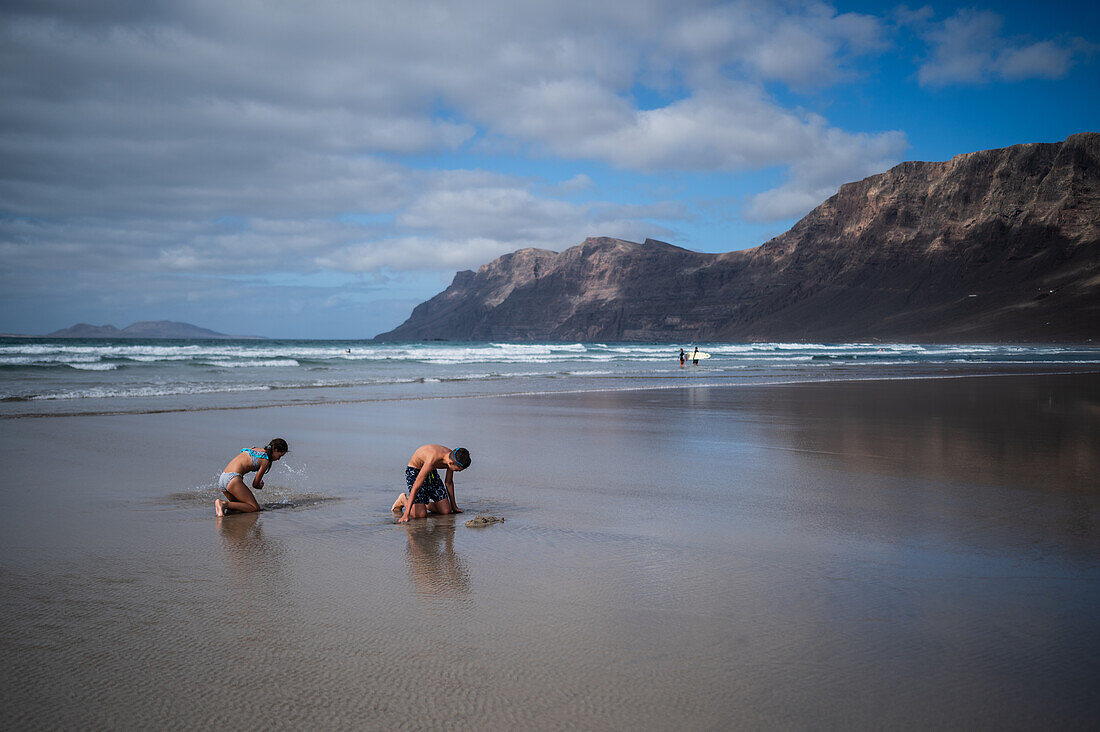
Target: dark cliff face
(999, 245)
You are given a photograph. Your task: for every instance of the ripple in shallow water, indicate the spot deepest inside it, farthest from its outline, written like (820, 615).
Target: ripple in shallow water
(204, 496)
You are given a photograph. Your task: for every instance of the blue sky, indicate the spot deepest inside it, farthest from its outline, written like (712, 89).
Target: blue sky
(316, 170)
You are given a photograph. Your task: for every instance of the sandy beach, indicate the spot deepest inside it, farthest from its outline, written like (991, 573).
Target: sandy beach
(906, 554)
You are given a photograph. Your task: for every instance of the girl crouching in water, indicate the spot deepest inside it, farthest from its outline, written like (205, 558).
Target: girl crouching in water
(239, 498)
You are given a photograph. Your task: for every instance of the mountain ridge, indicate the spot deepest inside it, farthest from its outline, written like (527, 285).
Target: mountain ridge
(995, 246)
(142, 329)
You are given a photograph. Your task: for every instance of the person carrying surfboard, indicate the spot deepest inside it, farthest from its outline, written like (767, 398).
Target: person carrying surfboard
(429, 493)
(695, 357)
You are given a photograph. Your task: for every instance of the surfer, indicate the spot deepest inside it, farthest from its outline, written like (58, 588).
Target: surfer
(231, 482)
(695, 357)
(428, 492)
(682, 358)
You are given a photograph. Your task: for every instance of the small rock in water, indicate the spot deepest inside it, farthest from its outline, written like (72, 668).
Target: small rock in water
(483, 521)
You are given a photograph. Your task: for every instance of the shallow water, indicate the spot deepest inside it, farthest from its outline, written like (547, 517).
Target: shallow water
(871, 555)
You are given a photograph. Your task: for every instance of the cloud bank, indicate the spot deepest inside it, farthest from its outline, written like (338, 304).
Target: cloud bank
(209, 139)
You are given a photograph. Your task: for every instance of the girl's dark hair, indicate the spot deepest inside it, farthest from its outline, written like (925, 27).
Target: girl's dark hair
(277, 444)
(462, 456)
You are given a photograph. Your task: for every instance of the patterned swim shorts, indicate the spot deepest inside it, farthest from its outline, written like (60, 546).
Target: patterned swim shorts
(432, 489)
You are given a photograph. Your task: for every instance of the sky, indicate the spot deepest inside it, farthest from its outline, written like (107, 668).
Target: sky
(316, 170)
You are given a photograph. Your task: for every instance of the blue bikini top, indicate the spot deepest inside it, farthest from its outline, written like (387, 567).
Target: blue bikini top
(257, 455)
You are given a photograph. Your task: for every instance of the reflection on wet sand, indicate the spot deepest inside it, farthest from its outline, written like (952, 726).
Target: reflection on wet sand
(435, 568)
(1038, 433)
(236, 528)
(830, 567)
(247, 552)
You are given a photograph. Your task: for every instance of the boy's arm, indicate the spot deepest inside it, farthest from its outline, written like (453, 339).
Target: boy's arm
(449, 481)
(412, 491)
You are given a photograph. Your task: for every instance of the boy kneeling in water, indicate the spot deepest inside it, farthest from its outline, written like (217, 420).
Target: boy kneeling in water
(428, 492)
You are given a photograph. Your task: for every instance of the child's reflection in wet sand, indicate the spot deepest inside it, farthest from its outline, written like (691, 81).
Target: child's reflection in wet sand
(434, 567)
(247, 552)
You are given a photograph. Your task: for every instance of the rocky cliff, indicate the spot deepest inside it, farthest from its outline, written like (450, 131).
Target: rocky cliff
(1000, 245)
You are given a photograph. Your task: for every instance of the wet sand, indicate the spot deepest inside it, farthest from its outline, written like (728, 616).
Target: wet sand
(905, 554)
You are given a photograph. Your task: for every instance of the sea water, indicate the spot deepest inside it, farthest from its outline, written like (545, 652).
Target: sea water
(41, 376)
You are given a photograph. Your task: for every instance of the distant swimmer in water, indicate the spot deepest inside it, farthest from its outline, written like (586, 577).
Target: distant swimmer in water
(347, 350)
(231, 482)
(428, 492)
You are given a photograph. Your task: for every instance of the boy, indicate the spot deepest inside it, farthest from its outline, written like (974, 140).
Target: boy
(427, 491)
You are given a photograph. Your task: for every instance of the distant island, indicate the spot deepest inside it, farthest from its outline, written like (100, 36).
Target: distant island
(142, 329)
(998, 246)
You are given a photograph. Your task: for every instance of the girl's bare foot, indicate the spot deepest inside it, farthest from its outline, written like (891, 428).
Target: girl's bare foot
(219, 507)
(399, 504)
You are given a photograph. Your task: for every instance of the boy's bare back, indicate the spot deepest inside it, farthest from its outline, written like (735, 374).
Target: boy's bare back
(433, 455)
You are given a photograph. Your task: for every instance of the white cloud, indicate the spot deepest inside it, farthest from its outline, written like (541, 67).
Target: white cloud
(1043, 60)
(803, 44)
(203, 137)
(969, 48)
(736, 128)
(416, 253)
(467, 220)
(496, 212)
(836, 158)
(577, 184)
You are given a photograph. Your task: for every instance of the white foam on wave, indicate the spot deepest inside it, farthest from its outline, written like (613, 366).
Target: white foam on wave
(282, 353)
(541, 347)
(47, 360)
(162, 370)
(494, 353)
(155, 359)
(347, 383)
(268, 363)
(517, 353)
(100, 392)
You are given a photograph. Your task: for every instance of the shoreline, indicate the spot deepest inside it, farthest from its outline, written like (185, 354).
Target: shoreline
(994, 372)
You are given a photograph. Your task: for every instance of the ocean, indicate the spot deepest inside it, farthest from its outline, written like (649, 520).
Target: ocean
(44, 377)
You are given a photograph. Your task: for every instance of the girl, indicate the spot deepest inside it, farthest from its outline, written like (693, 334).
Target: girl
(239, 498)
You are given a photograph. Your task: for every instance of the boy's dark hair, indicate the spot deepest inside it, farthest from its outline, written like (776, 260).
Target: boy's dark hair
(461, 456)
(277, 444)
